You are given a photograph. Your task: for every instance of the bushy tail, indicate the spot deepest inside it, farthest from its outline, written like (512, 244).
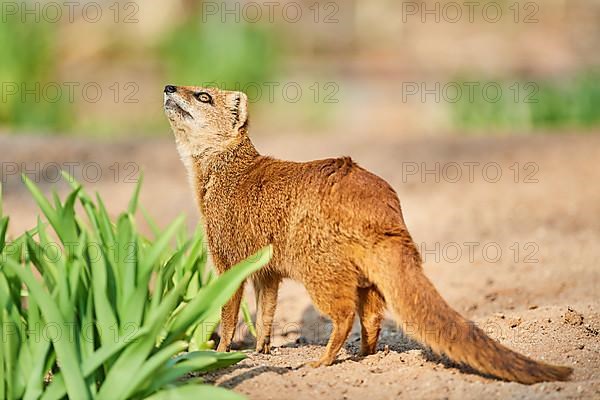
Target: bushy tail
(425, 315)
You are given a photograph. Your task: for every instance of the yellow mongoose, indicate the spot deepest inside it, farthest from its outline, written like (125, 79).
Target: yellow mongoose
(334, 226)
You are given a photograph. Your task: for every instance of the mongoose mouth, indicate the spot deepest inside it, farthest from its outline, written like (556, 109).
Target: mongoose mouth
(171, 105)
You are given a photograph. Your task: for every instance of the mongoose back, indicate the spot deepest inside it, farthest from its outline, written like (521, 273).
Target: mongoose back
(334, 226)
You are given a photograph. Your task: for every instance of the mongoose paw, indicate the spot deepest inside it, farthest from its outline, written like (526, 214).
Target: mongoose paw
(366, 352)
(314, 364)
(264, 349)
(223, 348)
(319, 363)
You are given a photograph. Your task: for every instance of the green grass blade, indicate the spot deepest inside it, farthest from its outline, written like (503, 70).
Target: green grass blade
(50, 269)
(35, 384)
(65, 351)
(56, 390)
(133, 203)
(42, 202)
(3, 372)
(86, 343)
(3, 229)
(10, 344)
(158, 248)
(248, 318)
(221, 359)
(151, 222)
(212, 297)
(68, 227)
(201, 336)
(105, 317)
(56, 199)
(164, 274)
(134, 307)
(75, 185)
(166, 377)
(132, 358)
(196, 391)
(106, 227)
(34, 353)
(125, 262)
(151, 365)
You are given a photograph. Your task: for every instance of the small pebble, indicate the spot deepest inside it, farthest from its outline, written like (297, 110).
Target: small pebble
(572, 317)
(514, 322)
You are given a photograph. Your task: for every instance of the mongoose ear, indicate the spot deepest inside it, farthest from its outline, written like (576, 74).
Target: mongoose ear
(239, 110)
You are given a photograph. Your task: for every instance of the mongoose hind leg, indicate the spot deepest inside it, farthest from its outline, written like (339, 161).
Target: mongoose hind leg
(339, 303)
(342, 324)
(229, 318)
(371, 306)
(266, 301)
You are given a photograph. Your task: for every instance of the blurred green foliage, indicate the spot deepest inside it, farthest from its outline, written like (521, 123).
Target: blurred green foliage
(229, 56)
(192, 52)
(571, 102)
(30, 59)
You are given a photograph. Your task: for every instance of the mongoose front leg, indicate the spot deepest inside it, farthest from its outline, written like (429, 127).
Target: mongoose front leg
(266, 302)
(229, 318)
(371, 306)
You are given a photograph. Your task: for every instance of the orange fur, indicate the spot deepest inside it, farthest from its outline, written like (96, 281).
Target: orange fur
(334, 226)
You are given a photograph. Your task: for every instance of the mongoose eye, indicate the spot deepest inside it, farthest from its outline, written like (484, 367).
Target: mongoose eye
(203, 97)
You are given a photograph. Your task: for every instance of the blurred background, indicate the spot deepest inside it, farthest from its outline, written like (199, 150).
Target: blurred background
(309, 67)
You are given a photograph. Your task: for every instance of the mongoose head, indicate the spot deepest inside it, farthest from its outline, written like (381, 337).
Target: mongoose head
(205, 121)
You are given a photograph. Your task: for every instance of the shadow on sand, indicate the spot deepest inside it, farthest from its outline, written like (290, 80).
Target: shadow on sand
(314, 329)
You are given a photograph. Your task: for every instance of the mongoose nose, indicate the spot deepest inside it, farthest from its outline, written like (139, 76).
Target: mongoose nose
(170, 89)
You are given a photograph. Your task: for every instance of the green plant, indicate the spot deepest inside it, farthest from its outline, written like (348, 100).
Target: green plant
(228, 55)
(32, 94)
(109, 314)
(545, 104)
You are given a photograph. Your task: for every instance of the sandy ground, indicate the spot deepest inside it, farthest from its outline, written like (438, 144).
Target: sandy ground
(508, 226)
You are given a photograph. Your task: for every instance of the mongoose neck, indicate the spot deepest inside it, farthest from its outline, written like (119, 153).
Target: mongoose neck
(235, 159)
